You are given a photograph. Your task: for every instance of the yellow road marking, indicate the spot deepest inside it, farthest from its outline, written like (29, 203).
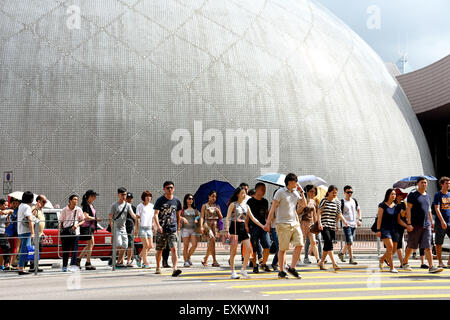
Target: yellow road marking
(292, 281)
(359, 289)
(408, 296)
(305, 284)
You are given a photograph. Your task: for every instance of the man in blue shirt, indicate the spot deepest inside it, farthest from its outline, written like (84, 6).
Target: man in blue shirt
(419, 224)
(442, 207)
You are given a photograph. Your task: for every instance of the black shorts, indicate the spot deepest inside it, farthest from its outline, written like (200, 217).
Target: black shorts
(239, 229)
(4, 243)
(86, 233)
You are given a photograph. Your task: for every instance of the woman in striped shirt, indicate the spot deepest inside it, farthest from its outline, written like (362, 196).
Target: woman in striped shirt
(329, 212)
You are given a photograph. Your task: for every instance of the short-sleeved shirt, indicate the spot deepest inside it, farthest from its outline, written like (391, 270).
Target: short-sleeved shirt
(116, 209)
(190, 215)
(331, 210)
(287, 208)
(3, 221)
(421, 205)
(167, 215)
(23, 213)
(146, 213)
(39, 215)
(129, 224)
(259, 210)
(90, 210)
(350, 212)
(71, 217)
(399, 208)
(388, 222)
(443, 201)
(11, 230)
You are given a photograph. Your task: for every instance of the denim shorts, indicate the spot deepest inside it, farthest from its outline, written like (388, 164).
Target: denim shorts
(349, 233)
(145, 232)
(389, 234)
(256, 233)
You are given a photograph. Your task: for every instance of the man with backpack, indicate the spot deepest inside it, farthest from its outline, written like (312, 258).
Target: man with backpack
(352, 214)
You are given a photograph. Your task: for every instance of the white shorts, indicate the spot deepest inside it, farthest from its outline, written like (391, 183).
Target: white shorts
(187, 233)
(145, 232)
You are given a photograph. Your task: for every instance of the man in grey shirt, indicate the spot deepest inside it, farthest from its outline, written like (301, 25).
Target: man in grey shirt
(290, 203)
(119, 211)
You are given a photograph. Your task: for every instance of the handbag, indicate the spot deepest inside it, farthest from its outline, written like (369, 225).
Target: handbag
(68, 231)
(314, 228)
(374, 226)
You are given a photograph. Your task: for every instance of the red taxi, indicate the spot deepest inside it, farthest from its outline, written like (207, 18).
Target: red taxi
(51, 244)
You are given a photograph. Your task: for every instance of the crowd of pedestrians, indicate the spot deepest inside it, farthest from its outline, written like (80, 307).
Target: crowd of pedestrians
(294, 218)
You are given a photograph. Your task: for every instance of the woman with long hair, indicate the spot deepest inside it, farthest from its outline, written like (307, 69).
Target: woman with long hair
(190, 217)
(329, 212)
(87, 229)
(235, 228)
(308, 217)
(144, 226)
(209, 217)
(386, 227)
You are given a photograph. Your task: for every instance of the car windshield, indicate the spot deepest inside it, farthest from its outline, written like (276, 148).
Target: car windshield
(51, 220)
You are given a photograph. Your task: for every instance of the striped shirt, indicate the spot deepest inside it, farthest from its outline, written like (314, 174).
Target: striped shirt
(331, 209)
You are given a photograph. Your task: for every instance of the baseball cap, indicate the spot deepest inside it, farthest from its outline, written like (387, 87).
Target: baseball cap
(130, 195)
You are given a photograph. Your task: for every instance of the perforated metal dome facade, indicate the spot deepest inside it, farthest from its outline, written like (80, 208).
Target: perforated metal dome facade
(113, 102)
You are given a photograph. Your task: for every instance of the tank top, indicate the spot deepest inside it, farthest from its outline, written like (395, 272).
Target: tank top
(211, 212)
(240, 212)
(308, 211)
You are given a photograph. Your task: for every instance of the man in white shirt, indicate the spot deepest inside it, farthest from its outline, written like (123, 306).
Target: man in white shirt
(290, 201)
(352, 214)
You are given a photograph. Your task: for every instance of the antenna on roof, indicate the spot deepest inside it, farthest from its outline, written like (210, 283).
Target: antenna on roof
(402, 63)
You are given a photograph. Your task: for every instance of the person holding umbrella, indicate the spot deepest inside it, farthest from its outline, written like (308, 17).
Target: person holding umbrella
(235, 228)
(209, 217)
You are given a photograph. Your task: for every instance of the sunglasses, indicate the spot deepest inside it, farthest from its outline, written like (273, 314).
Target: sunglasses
(349, 192)
(190, 198)
(169, 188)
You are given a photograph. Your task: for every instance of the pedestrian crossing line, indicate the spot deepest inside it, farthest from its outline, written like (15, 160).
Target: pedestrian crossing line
(391, 296)
(369, 289)
(305, 284)
(333, 276)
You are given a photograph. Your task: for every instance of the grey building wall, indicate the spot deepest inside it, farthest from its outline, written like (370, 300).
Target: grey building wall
(113, 102)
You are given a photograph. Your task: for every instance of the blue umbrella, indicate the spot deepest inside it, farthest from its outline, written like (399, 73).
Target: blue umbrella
(411, 181)
(273, 178)
(224, 192)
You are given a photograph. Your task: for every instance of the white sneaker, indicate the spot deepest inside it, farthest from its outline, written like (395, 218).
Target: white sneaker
(244, 274)
(186, 264)
(234, 275)
(393, 271)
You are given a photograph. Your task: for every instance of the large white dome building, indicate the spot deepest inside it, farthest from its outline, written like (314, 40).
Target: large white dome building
(102, 94)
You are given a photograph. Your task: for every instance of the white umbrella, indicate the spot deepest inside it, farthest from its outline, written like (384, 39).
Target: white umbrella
(310, 179)
(18, 195)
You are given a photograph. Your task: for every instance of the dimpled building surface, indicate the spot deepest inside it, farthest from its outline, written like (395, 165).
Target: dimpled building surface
(102, 94)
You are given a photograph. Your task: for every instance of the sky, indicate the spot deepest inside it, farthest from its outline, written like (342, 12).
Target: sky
(393, 27)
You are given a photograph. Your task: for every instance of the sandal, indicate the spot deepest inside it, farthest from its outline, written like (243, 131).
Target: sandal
(216, 264)
(336, 267)
(320, 264)
(205, 264)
